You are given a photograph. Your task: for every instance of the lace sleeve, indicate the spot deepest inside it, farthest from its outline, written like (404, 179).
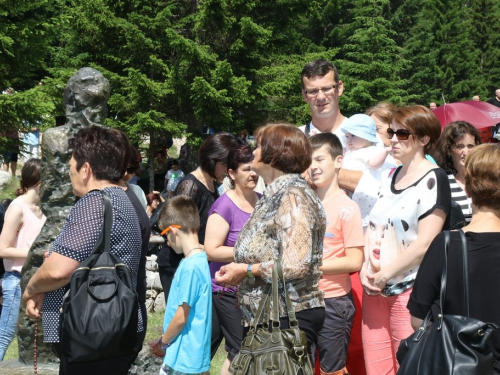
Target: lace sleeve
(188, 188)
(295, 236)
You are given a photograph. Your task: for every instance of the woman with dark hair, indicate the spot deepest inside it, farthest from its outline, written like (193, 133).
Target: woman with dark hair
(456, 141)
(226, 218)
(23, 222)
(482, 184)
(288, 223)
(201, 186)
(413, 205)
(153, 200)
(98, 163)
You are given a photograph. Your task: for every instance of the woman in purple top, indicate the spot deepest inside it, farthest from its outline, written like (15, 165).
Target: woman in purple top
(227, 216)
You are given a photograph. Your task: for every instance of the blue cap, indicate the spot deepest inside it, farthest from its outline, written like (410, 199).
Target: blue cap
(361, 126)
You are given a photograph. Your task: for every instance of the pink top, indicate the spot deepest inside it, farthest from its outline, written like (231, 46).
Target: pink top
(32, 225)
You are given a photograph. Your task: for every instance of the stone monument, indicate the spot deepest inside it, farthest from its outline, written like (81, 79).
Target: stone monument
(85, 98)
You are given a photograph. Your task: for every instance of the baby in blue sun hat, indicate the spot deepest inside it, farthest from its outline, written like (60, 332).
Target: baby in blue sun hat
(361, 135)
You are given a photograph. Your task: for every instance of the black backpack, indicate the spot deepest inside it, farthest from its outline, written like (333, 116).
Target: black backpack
(100, 310)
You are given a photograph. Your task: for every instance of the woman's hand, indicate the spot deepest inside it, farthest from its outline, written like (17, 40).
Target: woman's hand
(34, 306)
(368, 282)
(231, 274)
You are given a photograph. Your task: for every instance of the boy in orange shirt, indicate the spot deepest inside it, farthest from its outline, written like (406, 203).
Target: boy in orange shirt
(342, 252)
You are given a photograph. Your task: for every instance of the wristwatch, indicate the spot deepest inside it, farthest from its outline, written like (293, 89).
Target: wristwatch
(162, 345)
(249, 272)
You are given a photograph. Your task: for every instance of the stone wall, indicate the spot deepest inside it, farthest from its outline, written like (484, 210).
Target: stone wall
(155, 298)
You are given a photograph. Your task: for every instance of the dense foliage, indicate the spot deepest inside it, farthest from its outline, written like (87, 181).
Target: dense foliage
(176, 65)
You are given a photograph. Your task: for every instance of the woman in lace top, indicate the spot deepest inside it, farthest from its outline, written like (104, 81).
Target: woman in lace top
(288, 223)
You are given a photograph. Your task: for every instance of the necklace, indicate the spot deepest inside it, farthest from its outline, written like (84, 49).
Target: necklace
(194, 248)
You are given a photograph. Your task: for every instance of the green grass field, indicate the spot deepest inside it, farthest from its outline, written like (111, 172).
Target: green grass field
(155, 328)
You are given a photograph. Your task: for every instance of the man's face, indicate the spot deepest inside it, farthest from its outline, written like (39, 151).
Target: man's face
(486, 134)
(432, 106)
(322, 105)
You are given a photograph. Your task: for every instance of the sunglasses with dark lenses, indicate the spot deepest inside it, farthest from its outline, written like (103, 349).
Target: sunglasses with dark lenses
(401, 134)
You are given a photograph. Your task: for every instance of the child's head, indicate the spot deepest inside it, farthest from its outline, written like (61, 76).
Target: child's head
(360, 132)
(180, 211)
(327, 155)
(175, 165)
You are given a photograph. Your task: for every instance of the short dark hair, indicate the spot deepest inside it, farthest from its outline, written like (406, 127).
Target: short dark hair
(242, 154)
(180, 210)
(421, 122)
(175, 162)
(319, 68)
(30, 175)
(151, 197)
(284, 147)
(481, 176)
(451, 134)
(106, 151)
(215, 149)
(335, 147)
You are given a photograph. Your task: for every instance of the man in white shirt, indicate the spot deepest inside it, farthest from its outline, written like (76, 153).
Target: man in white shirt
(321, 89)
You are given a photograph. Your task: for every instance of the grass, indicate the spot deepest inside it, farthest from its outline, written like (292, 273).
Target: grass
(155, 329)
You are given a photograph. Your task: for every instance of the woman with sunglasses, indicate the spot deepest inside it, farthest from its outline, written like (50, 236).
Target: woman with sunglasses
(226, 218)
(412, 208)
(456, 141)
(23, 221)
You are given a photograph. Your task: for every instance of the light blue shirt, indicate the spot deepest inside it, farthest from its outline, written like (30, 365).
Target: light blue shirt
(32, 138)
(190, 351)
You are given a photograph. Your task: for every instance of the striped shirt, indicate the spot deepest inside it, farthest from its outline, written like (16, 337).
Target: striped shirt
(459, 196)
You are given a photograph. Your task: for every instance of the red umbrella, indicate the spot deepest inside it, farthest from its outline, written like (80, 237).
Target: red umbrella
(479, 114)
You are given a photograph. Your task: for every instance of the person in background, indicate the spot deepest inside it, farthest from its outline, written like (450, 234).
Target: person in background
(23, 222)
(475, 98)
(31, 141)
(201, 186)
(496, 99)
(342, 253)
(486, 134)
(432, 106)
(99, 161)
(132, 168)
(226, 218)
(412, 208)
(288, 223)
(456, 141)
(482, 183)
(153, 200)
(172, 178)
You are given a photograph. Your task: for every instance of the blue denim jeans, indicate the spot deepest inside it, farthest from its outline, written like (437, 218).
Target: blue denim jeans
(10, 311)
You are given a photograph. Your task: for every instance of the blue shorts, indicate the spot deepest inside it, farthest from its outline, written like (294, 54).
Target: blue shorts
(10, 156)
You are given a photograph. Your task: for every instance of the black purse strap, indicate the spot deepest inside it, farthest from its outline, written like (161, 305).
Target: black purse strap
(465, 255)
(107, 224)
(465, 271)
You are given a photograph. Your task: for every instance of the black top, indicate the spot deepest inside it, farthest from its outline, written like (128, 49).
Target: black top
(494, 101)
(484, 281)
(204, 199)
(145, 234)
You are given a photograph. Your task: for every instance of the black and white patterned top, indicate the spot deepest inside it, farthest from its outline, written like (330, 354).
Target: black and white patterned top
(459, 196)
(78, 238)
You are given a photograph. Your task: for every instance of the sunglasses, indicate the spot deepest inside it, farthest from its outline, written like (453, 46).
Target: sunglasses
(167, 229)
(401, 134)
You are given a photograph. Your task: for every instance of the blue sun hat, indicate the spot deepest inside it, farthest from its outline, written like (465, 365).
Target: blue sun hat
(362, 126)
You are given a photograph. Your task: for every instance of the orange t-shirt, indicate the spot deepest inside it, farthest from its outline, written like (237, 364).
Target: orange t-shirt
(343, 230)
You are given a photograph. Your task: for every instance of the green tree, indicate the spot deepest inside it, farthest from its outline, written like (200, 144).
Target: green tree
(372, 61)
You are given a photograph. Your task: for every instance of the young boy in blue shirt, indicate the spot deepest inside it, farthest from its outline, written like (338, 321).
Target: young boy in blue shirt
(188, 316)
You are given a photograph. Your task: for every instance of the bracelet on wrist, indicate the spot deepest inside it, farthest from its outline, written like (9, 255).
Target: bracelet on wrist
(162, 345)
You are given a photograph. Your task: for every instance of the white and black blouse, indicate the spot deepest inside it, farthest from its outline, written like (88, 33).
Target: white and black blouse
(78, 238)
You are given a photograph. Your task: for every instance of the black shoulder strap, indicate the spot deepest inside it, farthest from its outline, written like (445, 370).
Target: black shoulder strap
(465, 257)
(108, 220)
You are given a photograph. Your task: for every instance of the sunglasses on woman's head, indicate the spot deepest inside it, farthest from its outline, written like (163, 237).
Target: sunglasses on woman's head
(401, 134)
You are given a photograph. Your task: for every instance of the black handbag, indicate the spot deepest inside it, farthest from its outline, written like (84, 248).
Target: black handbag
(457, 218)
(99, 313)
(267, 349)
(452, 344)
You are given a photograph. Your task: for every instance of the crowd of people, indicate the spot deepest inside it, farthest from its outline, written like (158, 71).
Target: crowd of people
(352, 207)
